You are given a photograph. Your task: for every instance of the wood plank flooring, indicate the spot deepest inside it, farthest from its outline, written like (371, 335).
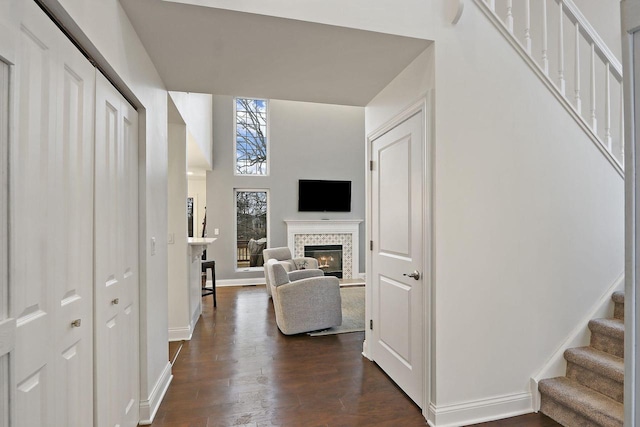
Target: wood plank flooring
(239, 370)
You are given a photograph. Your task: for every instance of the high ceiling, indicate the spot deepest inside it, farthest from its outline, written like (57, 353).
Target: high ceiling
(207, 50)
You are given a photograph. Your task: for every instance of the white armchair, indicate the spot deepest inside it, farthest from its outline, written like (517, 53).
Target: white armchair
(297, 268)
(305, 305)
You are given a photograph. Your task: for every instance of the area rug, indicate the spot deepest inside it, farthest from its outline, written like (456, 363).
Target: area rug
(352, 312)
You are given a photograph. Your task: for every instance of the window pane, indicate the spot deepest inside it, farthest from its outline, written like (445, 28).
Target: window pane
(251, 136)
(251, 216)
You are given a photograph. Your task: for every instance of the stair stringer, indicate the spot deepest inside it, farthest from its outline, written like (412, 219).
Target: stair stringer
(580, 336)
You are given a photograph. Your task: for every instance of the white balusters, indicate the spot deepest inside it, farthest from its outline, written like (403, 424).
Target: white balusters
(545, 35)
(594, 120)
(601, 61)
(561, 82)
(527, 26)
(607, 109)
(577, 71)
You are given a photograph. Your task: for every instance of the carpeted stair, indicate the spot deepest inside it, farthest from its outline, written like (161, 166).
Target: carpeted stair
(591, 393)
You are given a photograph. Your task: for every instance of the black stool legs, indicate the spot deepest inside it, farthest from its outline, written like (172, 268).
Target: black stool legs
(206, 291)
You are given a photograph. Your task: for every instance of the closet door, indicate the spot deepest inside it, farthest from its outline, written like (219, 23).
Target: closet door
(51, 245)
(116, 259)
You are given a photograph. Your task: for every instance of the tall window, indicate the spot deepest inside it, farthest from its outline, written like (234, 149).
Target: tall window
(252, 219)
(251, 136)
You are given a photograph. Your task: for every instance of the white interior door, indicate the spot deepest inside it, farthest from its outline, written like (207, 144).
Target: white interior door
(397, 234)
(7, 324)
(116, 259)
(51, 246)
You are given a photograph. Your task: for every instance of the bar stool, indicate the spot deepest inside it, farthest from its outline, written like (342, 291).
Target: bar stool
(209, 291)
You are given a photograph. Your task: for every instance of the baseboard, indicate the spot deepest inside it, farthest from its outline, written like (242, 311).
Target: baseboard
(479, 411)
(149, 407)
(238, 282)
(180, 334)
(580, 336)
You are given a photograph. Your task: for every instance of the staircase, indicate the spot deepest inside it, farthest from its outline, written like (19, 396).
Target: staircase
(591, 393)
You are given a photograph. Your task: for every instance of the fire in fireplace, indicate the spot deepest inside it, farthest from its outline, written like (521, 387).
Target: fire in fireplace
(329, 258)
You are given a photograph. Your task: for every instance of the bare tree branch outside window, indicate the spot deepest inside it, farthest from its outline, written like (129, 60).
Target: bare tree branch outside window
(251, 136)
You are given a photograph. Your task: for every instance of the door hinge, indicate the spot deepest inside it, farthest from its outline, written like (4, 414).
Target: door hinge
(370, 165)
(371, 324)
(370, 245)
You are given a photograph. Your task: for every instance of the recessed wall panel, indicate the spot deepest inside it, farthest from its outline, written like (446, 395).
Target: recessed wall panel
(393, 197)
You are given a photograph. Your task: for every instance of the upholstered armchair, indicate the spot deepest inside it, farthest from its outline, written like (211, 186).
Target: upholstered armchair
(305, 305)
(297, 268)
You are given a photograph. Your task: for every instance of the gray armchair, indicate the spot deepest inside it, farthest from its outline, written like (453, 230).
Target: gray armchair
(305, 305)
(297, 268)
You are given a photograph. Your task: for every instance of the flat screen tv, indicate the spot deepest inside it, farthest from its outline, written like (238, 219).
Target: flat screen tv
(324, 196)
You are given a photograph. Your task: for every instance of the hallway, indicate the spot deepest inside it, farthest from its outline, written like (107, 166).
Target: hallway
(239, 370)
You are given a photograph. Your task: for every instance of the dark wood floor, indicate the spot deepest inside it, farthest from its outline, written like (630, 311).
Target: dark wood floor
(239, 370)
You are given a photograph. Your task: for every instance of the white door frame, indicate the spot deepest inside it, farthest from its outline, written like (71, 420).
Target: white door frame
(630, 12)
(424, 107)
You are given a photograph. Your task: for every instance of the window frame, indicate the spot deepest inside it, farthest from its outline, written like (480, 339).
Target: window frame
(235, 225)
(235, 137)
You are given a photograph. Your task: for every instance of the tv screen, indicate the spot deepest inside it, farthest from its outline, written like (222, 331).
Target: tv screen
(324, 196)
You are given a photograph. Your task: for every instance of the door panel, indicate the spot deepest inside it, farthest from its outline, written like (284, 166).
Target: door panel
(51, 200)
(397, 232)
(116, 259)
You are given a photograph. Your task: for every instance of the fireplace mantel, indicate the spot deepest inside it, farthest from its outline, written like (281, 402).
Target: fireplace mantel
(343, 231)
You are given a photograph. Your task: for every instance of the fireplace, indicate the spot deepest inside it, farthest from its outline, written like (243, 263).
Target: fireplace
(345, 232)
(329, 258)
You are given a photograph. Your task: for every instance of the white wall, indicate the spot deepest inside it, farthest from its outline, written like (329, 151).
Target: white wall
(196, 111)
(178, 266)
(528, 219)
(104, 30)
(307, 141)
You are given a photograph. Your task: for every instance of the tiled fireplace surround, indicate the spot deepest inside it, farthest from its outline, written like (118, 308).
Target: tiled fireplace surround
(327, 232)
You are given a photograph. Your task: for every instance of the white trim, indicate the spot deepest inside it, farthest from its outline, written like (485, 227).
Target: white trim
(249, 281)
(556, 365)
(180, 334)
(149, 407)
(424, 106)
(479, 411)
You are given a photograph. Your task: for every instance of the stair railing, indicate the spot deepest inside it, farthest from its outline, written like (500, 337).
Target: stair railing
(552, 34)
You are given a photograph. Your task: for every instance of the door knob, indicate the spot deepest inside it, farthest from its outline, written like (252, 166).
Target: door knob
(115, 301)
(76, 323)
(415, 275)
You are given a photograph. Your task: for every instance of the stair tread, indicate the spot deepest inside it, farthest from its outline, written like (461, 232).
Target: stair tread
(597, 361)
(618, 297)
(611, 327)
(583, 400)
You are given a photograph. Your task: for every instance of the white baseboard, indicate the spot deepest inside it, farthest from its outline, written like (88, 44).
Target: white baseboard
(479, 411)
(180, 334)
(556, 366)
(238, 282)
(149, 407)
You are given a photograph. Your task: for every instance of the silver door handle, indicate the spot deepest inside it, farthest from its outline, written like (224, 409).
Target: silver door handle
(76, 323)
(415, 275)
(115, 301)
